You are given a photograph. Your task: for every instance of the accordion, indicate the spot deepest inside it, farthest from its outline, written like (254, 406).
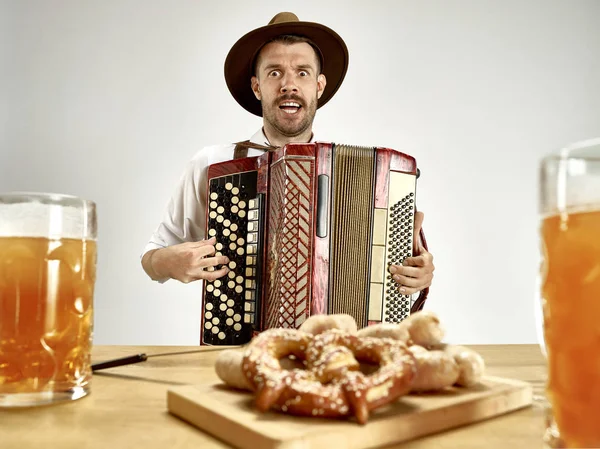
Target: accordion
(308, 229)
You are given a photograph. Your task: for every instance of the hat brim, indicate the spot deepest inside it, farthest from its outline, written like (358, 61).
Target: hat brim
(238, 64)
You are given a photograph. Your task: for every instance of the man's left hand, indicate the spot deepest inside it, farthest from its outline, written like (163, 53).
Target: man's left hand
(416, 272)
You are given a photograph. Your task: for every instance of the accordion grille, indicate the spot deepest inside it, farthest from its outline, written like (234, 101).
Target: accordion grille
(354, 173)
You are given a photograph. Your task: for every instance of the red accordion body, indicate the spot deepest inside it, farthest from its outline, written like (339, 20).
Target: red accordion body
(308, 229)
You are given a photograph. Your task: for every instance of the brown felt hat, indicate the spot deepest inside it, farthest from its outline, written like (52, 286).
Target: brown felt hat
(240, 60)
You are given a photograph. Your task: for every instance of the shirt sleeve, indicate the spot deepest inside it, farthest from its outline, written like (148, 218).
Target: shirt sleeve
(185, 214)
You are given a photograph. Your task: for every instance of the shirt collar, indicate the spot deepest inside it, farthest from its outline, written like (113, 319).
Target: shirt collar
(260, 138)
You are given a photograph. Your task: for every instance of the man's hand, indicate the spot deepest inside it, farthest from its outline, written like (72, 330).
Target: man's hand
(185, 262)
(415, 273)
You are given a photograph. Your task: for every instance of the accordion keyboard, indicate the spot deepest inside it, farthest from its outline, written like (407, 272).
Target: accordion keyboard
(231, 304)
(401, 219)
(392, 243)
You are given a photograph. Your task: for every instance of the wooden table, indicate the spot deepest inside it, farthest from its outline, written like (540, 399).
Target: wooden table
(127, 407)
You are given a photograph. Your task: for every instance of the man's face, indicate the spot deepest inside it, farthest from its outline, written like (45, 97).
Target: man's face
(288, 86)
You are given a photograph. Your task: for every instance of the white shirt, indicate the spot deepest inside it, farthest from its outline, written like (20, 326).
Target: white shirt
(184, 219)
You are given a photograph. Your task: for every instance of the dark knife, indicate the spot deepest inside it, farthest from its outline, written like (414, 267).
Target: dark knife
(143, 357)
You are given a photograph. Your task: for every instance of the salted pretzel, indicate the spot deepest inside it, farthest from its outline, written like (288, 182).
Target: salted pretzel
(332, 385)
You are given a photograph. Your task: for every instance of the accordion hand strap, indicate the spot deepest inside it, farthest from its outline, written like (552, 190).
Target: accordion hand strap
(241, 148)
(420, 301)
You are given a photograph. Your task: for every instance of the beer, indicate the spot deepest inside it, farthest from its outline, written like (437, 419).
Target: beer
(46, 307)
(571, 299)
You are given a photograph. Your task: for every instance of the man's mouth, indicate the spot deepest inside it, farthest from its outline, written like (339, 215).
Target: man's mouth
(290, 107)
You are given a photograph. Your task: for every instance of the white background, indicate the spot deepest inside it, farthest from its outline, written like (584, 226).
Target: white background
(109, 99)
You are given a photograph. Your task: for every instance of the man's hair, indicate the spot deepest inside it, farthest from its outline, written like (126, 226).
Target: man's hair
(289, 39)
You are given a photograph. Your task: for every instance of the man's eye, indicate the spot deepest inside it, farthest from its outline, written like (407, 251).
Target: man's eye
(274, 73)
(303, 73)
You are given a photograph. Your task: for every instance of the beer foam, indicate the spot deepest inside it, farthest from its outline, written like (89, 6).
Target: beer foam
(30, 215)
(591, 207)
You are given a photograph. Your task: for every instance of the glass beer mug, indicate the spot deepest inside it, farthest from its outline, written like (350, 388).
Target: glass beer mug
(47, 274)
(570, 291)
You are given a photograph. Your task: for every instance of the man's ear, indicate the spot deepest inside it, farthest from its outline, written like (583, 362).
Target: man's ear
(255, 87)
(321, 83)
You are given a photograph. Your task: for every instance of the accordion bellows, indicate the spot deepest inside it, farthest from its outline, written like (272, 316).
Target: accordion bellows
(308, 229)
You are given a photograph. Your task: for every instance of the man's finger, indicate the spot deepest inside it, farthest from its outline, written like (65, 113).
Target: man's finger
(406, 281)
(210, 241)
(205, 250)
(416, 261)
(213, 275)
(214, 261)
(413, 272)
(409, 290)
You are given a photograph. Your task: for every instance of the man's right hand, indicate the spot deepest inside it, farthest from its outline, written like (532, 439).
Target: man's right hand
(186, 262)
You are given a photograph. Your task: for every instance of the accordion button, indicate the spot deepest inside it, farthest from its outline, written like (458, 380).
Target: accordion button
(229, 186)
(207, 325)
(235, 190)
(222, 335)
(237, 327)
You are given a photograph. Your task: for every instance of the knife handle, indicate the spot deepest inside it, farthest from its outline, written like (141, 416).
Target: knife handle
(120, 362)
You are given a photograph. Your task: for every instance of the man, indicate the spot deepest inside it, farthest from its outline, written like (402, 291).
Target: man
(283, 72)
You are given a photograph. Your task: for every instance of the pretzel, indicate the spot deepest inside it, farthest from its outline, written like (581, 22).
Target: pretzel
(332, 386)
(436, 370)
(422, 328)
(317, 324)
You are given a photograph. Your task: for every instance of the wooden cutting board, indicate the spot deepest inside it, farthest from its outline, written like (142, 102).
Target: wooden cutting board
(229, 415)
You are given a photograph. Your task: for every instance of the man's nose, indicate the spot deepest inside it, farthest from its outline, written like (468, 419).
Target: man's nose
(288, 84)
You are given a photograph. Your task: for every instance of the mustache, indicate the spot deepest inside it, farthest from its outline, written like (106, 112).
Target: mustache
(290, 97)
